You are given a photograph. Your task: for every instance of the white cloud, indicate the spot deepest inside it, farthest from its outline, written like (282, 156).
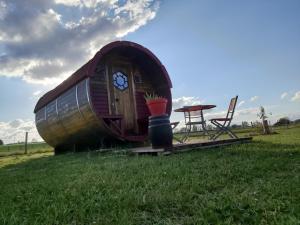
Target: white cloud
(14, 131)
(254, 98)
(15, 123)
(3, 10)
(247, 111)
(49, 40)
(238, 113)
(245, 114)
(296, 96)
(185, 101)
(241, 103)
(283, 95)
(85, 3)
(212, 114)
(37, 93)
(69, 2)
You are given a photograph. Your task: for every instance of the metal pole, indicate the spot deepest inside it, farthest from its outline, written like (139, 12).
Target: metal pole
(26, 139)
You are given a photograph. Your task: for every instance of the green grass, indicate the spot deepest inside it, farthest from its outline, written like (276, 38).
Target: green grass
(19, 149)
(256, 183)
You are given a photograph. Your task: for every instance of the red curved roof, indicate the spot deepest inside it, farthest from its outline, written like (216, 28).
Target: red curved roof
(88, 69)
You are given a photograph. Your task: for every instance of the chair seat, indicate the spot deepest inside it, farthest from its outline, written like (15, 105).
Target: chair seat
(220, 119)
(223, 124)
(195, 123)
(174, 124)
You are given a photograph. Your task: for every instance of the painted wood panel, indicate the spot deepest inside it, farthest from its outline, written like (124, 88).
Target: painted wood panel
(122, 100)
(98, 91)
(141, 107)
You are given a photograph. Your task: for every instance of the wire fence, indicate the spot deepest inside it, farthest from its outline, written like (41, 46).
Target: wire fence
(22, 143)
(28, 145)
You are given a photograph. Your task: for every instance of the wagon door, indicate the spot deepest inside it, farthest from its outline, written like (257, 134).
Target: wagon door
(121, 94)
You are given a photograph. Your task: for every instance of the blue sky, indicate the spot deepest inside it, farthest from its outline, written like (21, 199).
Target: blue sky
(212, 50)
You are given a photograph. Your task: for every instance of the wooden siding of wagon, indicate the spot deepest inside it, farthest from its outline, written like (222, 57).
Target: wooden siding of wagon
(82, 109)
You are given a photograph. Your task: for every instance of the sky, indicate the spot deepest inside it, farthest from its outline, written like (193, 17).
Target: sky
(212, 50)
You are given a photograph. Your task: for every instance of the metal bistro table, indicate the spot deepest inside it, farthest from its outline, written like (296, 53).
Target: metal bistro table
(193, 115)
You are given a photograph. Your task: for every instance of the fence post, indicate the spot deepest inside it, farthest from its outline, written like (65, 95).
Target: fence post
(26, 139)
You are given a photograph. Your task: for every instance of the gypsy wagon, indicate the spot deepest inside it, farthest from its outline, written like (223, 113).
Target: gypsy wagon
(103, 101)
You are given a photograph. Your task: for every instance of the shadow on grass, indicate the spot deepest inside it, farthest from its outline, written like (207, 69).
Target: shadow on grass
(22, 153)
(264, 147)
(245, 183)
(257, 149)
(44, 160)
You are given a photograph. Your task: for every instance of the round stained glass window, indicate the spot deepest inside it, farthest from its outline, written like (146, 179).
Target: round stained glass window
(120, 81)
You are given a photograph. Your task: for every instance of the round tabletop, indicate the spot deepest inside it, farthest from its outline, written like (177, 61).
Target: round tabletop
(194, 108)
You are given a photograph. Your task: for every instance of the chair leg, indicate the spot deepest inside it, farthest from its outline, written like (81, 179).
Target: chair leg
(222, 129)
(233, 135)
(187, 133)
(230, 133)
(205, 131)
(189, 129)
(218, 132)
(178, 139)
(203, 124)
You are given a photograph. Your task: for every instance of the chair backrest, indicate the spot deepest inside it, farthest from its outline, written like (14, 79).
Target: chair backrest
(192, 116)
(231, 107)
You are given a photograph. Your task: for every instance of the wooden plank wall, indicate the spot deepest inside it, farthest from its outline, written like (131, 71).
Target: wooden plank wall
(98, 91)
(141, 107)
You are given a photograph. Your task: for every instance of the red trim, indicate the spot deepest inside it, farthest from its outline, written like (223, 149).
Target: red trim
(194, 108)
(88, 69)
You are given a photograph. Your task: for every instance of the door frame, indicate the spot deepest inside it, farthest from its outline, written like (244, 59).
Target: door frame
(131, 87)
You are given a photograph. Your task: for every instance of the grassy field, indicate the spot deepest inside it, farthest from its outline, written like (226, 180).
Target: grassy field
(19, 149)
(256, 183)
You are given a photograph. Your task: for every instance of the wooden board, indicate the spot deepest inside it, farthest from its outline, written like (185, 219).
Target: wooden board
(189, 146)
(147, 150)
(122, 100)
(209, 144)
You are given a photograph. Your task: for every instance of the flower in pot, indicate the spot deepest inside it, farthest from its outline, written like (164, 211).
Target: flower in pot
(156, 104)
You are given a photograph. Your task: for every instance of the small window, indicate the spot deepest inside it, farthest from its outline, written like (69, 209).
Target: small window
(120, 81)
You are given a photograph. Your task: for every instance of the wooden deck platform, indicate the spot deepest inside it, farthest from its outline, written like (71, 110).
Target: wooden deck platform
(177, 148)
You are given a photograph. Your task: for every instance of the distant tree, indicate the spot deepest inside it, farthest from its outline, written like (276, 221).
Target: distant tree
(256, 124)
(245, 124)
(183, 129)
(1, 142)
(297, 121)
(209, 127)
(234, 126)
(263, 116)
(194, 128)
(283, 121)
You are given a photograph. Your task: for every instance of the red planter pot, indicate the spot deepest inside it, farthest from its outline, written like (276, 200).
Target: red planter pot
(157, 107)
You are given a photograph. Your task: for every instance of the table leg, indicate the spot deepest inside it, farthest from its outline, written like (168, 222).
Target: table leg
(203, 123)
(205, 131)
(187, 128)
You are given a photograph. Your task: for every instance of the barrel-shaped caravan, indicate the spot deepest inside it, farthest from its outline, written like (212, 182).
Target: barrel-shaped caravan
(103, 101)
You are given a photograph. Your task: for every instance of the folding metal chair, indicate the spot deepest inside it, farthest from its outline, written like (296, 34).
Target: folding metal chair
(191, 119)
(222, 124)
(173, 126)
